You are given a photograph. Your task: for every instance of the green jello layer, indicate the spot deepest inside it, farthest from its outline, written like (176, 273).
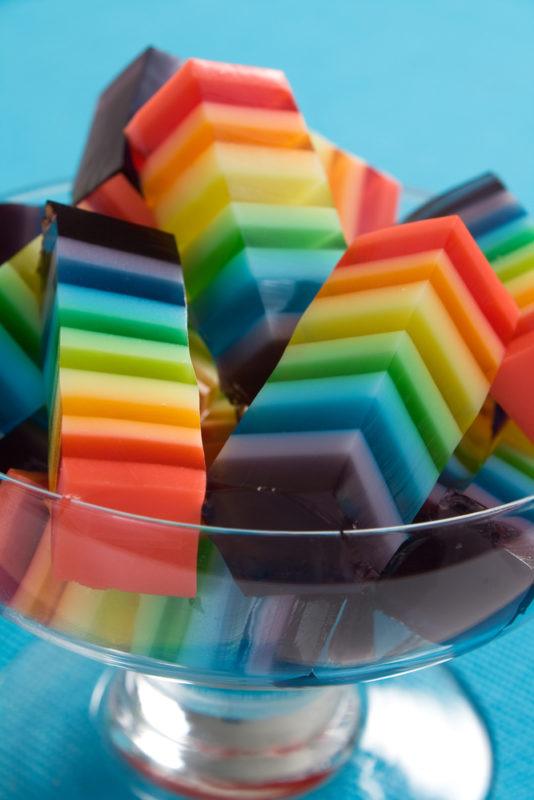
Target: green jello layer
(160, 626)
(257, 225)
(19, 312)
(515, 264)
(104, 352)
(509, 243)
(123, 315)
(516, 459)
(391, 352)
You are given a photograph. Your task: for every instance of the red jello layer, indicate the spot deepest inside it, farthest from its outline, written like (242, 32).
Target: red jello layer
(451, 235)
(105, 550)
(200, 81)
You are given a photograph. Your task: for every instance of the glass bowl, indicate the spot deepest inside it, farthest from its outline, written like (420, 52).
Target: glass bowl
(248, 690)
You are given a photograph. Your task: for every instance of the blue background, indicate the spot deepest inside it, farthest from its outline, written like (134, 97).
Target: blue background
(434, 92)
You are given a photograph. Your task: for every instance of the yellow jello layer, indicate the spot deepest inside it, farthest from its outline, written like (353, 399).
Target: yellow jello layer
(237, 173)
(417, 309)
(522, 289)
(85, 393)
(39, 591)
(103, 617)
(435, 267)
(124, 355)
(219, 122)
(26, 263)
(257, 225)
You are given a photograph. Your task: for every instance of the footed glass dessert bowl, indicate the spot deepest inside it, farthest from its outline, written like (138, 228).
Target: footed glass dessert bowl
(268, 680)
(247, 689)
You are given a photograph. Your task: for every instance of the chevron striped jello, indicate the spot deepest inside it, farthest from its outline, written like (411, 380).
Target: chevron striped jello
(504, 231)
(228, 166)
(386, 370)
(366, 199)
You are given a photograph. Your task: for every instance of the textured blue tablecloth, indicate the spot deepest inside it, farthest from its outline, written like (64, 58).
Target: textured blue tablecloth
(434, 92)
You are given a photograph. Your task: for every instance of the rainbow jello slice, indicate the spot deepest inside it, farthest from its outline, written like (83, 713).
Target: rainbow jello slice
(124, 405)
(228, 166)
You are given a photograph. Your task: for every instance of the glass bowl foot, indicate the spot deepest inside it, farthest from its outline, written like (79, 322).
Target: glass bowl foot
(220, 743)
(418, 737)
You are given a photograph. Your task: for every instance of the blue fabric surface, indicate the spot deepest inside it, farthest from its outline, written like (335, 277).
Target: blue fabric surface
(433, 92)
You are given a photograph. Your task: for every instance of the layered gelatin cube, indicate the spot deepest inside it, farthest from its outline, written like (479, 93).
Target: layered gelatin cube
(384, 373)
(106, 181)
(124, 405)
(228, 166)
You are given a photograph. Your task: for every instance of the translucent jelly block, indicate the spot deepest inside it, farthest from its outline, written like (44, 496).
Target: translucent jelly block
(477, 201)
(505, 233)
(204, 366)
(130, 440)
(418, 309)
(25, 447)
(492, 214)
(117, 198)
(223, 123)
(393, 351)
(27, 264)
(146, 358)
(513, 387)
(526, 323)
(106, 618)
(87, 393)
(508, 474)
(383, 374)
(123, 400)
(66, 226)
(200, 82)
(22, 521)
(360, 403)
(471, 583)
(39, 591)
(501, 226)
(109, 551)
(218, 416)
(19, 311)
(219, 419)
(122, 315)
(436, 268)
(19, 225)
(450, 235)
(228, 166)
(160, 624)
(275, 228)
(267, 305)
(149, 367)
(475, 447)
(124, 413)
(240, 173)
(106, 152)
(95, 266)
(21, 384)
(366, 199)
(279, 563)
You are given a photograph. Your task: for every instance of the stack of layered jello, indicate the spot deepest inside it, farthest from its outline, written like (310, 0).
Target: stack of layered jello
(230, 329)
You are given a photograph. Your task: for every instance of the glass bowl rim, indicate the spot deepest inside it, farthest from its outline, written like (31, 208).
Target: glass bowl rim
(63, 185)
(485, 515)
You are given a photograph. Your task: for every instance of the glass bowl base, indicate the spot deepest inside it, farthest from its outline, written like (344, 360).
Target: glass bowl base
(228, 743)
(418, 737)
